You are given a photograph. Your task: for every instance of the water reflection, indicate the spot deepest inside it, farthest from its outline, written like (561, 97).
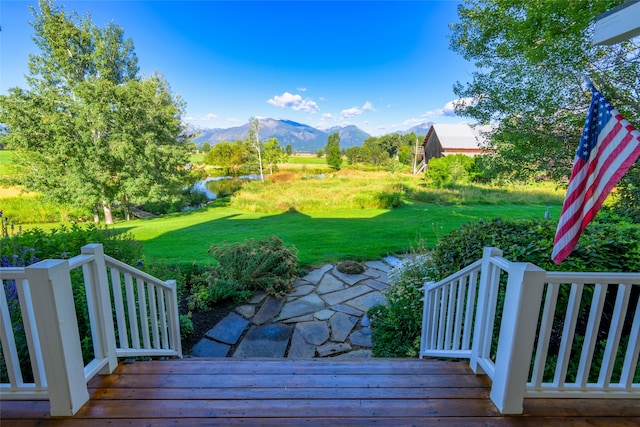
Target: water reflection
(221, 186)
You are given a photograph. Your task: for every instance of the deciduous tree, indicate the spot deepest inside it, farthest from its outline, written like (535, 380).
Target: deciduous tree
(89, 129)
(533, 58)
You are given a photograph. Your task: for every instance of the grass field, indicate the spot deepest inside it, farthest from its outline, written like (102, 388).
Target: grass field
(327, 219)
(320, 237)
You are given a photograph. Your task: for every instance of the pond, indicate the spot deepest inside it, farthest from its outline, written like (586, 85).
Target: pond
(221, 186)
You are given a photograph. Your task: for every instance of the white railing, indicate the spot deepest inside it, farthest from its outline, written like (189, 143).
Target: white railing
(146, 318)
(465, 318)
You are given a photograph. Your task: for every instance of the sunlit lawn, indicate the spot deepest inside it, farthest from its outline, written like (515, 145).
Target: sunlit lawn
(320, 237)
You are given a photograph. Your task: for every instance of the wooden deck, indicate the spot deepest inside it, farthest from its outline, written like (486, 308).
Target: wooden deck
(315, 392)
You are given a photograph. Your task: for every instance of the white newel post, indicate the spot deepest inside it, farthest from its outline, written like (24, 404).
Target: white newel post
(175, 317)
(55, 316)
(483, 308)
(517, 336)
(102, 328)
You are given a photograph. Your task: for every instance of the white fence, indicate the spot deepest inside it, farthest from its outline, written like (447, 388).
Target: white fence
(537, 333)
(130, 314)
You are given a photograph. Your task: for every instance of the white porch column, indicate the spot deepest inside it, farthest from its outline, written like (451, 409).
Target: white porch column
(102, 329)
(55, 316)
(517, 335)
(483, 308)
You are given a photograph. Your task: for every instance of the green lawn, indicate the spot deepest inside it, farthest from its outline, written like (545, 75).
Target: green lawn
(320, 237)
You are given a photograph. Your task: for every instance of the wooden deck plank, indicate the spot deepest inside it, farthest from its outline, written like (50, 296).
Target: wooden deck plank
(290, 381)
(203, 392)
(249, 393)
(203, 366)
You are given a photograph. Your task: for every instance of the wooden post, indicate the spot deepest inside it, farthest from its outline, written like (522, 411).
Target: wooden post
(174, 317)
(483, 308)
(517, 335)
(102, 329)
(55, 316)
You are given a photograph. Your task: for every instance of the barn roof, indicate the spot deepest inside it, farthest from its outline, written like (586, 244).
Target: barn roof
(461, 136)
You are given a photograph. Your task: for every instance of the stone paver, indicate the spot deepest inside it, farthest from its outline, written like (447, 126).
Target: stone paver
(305, 305)
(330, 283)
(341, 326)
(375, 284)
(265, 341)
(332, 348)
(269, 310)
(321, 317)
(350, 279)
(210, 348)
(316, 275)
(300, 348)
(360, 339)
(229, 329)
(347, 294)
(365, 302)
(316, 333)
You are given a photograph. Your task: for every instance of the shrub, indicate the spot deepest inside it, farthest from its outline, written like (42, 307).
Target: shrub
(208, 289)
(186, 326)
(603, 246)
(264, 264)
(397, 325)
(350, 267)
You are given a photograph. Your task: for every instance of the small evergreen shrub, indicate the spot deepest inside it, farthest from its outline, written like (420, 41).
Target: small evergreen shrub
(257, 264)
(350, 267)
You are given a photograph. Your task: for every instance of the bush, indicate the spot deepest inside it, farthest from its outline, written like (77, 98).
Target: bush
(450, 170)
(603, 246)
(264, 264)
(208, 289)
(397, 325)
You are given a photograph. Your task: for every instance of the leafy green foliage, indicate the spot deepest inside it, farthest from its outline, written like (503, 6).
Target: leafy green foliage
(397, 325)
(334, 156)
(257, 264)
(186, 326)
(533, 57)
(449, 170)
(603, 246)
(629, 195)
(88, 130)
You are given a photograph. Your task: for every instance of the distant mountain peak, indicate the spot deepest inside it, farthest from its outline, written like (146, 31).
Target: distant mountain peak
(303, 138)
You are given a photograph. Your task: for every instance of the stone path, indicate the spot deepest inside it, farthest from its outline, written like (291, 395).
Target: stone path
(324, 315)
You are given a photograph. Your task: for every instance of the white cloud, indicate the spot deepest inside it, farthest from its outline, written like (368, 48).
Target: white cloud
(301, 89)
(327, 116)
(210, 116)
(350, 112)
(355, 111)
(294, 102)
(413, 122)
(233, 120)
(449, 109)
(368, 107)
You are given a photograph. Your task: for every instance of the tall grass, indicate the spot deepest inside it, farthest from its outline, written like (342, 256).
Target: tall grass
(350, 189)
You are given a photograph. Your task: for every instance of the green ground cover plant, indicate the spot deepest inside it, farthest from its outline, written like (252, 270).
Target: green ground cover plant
(606, 245)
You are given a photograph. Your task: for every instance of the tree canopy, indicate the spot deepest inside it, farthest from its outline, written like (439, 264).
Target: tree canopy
(533, 58)
(90, 130)
(334, 156)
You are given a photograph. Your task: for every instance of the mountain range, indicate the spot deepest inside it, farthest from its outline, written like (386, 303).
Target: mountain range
(303, 138)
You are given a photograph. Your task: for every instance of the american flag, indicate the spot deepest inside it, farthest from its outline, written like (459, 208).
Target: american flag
(608, 147)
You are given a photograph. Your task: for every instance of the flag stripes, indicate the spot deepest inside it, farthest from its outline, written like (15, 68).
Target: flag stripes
(608, 147)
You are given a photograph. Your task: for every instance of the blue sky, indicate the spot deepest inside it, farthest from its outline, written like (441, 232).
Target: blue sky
(383, 66)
